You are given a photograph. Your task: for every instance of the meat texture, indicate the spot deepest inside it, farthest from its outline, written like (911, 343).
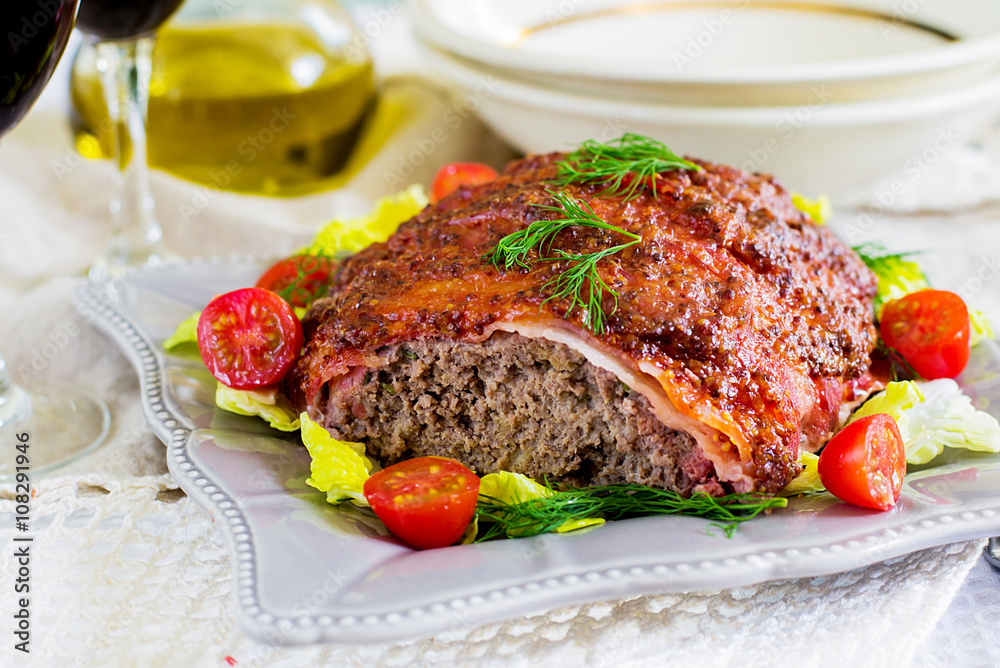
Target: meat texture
(742, 330)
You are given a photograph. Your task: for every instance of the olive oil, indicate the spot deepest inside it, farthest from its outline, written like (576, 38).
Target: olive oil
(258, 108)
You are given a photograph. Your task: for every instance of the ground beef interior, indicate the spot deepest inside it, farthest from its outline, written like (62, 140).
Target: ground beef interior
(512, 403)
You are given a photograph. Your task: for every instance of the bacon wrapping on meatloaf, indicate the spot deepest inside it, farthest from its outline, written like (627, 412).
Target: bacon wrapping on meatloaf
(742, 334)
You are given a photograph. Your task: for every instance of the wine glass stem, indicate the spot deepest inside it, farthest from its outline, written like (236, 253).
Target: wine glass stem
(136, 236)
(15, 403)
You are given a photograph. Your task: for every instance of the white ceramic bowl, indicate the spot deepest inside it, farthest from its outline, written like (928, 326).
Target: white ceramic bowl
(818, 146)
(723, 52)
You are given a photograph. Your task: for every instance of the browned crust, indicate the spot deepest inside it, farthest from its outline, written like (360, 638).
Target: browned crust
(732, 294)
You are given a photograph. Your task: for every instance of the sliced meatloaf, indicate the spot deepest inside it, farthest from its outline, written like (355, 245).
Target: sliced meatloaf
(741, 333)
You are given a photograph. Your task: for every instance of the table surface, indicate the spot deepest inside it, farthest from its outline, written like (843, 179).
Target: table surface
(143, 565)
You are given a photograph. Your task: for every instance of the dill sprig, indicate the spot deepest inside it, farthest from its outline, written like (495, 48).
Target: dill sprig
(898, 366)
(613, 502)
(581, 283)
(625, 164)
(877, 256)
(513, 249)
(584, 287)
(311, 280)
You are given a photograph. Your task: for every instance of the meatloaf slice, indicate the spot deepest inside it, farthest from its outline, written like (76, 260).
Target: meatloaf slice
(740, 321)
(518, 404)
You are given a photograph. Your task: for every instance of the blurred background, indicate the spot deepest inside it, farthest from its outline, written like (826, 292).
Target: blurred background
(269, 118)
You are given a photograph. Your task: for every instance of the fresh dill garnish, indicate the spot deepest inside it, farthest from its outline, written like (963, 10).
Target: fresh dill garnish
(581, 283)
(876, 255)
(584, 287)
(387, 387)
(625, 164)
(513, 249)
(612, 502)
(311, 280)
(898, 366)
(407, 354)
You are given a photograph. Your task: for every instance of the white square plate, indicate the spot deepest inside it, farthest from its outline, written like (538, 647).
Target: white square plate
(309, 572)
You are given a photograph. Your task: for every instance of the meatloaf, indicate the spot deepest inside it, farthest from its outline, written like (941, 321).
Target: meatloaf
(741, 334)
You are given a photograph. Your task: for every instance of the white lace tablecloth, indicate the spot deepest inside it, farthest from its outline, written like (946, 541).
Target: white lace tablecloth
(126, 571)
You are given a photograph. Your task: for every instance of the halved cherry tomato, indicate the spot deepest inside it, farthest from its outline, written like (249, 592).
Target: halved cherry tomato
(299, 279)
(456, 174)
(865, 462)
(930, 329)
(426, 502)
(249, 338)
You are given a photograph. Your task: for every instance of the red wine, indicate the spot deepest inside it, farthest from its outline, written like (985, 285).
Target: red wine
(33, 35)
(123, 19)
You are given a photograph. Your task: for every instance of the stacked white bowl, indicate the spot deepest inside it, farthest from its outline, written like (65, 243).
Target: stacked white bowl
(829, 96)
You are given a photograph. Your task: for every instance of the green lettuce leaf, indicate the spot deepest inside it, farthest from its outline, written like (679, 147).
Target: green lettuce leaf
(266, 403)
(339, 468)
(895, 400)
(513, 488)
(353, 234)
(947, 418)
(819, 209)
(471, 531)
(806, 482)
(934, 415)
(186, 332)
(980, 327)
(898, 277)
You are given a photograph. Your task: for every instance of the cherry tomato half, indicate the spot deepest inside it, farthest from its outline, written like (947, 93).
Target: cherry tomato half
(299, 279)
(426, 502)
(930, 329)
(456, 174)
(249, 338)
(865, 462)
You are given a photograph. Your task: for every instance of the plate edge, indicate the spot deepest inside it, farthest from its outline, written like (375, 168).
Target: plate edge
(608, 583)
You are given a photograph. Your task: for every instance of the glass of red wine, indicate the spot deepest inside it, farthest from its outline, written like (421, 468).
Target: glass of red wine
(122, 31)
(67, 419)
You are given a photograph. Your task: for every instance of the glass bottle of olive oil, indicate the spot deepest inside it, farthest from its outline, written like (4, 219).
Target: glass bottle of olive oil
(266, 98)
